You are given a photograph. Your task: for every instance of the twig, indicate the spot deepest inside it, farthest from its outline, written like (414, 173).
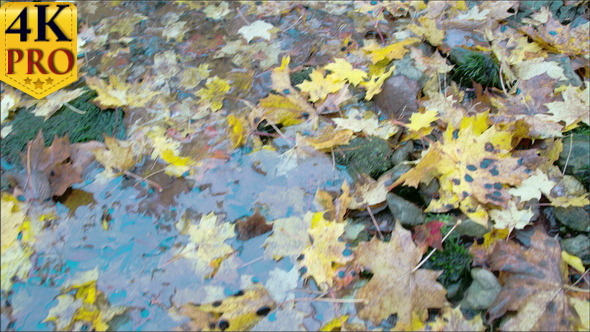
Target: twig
(74, 109)
(137, 177)
(316, 299)
(251, 262)
(568, 154)
(433, 250)
(375, 223)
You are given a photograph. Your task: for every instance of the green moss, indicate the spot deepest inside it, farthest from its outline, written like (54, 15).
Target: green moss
(365, 155)
(300, 76)
(91, 125)
(471, 66)
(455, 261)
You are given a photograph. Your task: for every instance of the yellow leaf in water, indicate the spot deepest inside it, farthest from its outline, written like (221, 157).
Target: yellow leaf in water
(238, 312)
(326, 252)
(207, 247)
(335, 324)
(288, 238)
(237, 130)
(213, 93)
(116, 155)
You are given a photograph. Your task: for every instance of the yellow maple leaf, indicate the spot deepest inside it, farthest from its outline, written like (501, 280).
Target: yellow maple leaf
(474, 166)
(574, 108)
(281, 110)
(168, 150)
(422, 120)
(117, 154)
(281, 82)
(389, 52)
(213, 93)
(118, 93)
(342, 70)
(207, 248)
(322, 257)
(329, 138)
(366, 122)
(428, 30)
(319, 87)
(237, 130)
(46, 107)
(88, 305)
(239, 312)
(511, 217)
(375, 82)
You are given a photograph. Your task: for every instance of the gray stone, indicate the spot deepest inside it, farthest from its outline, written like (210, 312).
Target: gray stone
(578, 246)
(578, 163)
(396, 172)
(429, 191)
(483, 290)
(398, 98)
(471, 228)
(402, 153)
(407, 213)
(576, 218)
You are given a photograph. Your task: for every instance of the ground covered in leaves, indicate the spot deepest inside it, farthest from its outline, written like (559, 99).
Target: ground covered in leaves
(365, 165)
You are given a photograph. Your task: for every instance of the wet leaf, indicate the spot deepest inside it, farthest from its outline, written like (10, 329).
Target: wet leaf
(532, 287)
(238, 312)
(325, 253)
(207, 247)
(395, 288)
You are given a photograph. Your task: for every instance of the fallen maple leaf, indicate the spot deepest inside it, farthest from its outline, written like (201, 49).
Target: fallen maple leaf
(238, 312)
(318, 86)
(207, 247)
(288, 238)
(324, 255)
(453, 320)
(429, 235)
(342, 70)
(533, 283)
(474, 166)
(213, 93)
(256, 29)
(117, 93)
(389, 52)
(117, 154)
(329, 138)
(395, 287)
(47, 106)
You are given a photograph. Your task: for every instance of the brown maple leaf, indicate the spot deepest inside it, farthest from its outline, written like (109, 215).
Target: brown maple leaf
(532, 286)
(395, 287)
(50, 170)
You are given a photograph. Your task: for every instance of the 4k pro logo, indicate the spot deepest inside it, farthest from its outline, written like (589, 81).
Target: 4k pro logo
(38, 46)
